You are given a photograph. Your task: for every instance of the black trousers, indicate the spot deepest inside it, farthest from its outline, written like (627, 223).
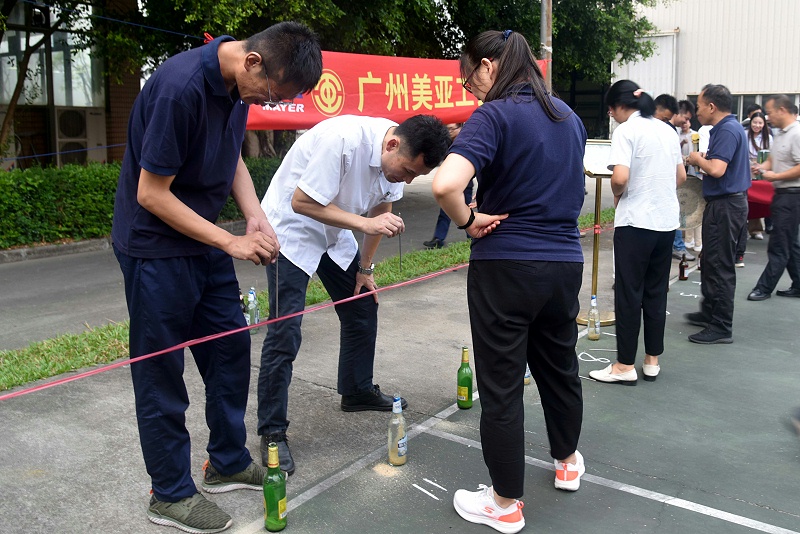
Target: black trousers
(783, 250)
(642, 259)
(357, 335)
(524, 312)
(723, 220)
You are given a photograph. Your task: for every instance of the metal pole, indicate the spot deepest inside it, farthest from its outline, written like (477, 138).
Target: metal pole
(546, 40)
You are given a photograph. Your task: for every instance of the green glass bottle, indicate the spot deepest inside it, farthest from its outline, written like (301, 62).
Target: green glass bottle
(274, 492)
(464, 381)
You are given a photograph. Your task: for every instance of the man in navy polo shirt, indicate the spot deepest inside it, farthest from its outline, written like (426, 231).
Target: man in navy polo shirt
(727, 169)
(182, 162)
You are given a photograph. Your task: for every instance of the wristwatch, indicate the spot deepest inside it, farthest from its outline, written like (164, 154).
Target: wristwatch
(366, 270)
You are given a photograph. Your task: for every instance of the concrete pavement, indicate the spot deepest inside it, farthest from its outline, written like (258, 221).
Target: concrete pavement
(705, 448)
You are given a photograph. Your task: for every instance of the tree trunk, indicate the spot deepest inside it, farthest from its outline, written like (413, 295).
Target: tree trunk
(22, 75)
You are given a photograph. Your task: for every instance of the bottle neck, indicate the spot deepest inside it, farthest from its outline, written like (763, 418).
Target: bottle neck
(272, 457)
(464, 355)
(397, 406)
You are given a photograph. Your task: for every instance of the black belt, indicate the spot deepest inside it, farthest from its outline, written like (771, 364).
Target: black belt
(787, 190)
(729, 195)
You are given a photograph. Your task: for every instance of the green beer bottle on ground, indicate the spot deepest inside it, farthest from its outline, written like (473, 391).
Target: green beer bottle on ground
(464, 381)
(274, 492)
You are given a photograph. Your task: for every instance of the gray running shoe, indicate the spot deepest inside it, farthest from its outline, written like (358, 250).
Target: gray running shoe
(193, 514)
(251, 478)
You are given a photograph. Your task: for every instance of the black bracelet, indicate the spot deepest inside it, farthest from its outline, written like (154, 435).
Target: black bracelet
(469, 221)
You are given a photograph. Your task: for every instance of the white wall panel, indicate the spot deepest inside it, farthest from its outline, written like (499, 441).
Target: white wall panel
(751, 46)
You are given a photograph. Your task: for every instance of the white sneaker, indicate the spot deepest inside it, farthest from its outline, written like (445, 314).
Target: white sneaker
(698, 248)
(568, 476)
(627, 378)
(480, 507)
(689, 244)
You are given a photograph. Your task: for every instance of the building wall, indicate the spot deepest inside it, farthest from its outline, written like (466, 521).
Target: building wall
(750, 46)
(120, 98)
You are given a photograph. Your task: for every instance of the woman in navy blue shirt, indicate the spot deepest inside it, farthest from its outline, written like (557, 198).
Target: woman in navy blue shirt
(526, 148)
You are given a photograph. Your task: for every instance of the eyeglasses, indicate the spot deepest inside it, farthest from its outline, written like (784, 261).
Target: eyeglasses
(465, 83)
(274, 102)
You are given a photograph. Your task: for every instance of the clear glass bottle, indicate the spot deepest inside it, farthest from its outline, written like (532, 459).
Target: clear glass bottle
(253, 313)
(464, 380)
(594, 320)
(527, 378)
(274, 492)
(398, 441)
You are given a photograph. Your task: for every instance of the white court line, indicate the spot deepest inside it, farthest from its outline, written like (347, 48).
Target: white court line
(427, 427)
(350, 470)
(641, 492)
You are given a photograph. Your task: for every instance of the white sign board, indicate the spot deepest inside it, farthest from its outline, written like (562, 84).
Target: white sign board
(595, 159)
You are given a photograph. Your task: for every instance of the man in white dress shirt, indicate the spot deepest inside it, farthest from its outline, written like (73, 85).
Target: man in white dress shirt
(341, 176)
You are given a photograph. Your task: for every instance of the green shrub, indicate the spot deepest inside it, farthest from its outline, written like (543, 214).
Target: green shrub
(47, 205)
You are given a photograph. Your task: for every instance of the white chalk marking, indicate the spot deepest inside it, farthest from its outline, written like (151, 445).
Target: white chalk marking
(432, 483)
(426, 492)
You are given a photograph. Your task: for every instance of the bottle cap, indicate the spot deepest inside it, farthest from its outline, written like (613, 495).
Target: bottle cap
(272, 455)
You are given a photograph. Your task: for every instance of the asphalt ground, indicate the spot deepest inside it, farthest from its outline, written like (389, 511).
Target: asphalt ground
(705, 448)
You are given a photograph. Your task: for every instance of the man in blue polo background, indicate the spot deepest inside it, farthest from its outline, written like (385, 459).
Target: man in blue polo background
(727, 168)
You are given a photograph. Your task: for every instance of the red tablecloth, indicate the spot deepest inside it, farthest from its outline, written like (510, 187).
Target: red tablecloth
(759, 198)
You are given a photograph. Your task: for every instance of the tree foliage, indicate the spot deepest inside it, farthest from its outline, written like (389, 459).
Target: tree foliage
(587, 34)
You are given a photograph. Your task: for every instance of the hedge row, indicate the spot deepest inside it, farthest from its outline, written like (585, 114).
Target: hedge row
(47, 205)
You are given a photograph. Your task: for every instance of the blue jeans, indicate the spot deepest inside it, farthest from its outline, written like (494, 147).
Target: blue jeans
(443, 222)
(358, 330)
(170, 301)
(678, 243)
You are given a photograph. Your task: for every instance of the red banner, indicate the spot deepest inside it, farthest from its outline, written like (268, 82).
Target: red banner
(378, 86)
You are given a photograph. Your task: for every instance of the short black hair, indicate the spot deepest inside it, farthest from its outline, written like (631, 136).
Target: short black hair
(667, 102)
(781, 101)
(290, 47)
(751, 108)
(427, 135)
(686, 106)
(719, 95)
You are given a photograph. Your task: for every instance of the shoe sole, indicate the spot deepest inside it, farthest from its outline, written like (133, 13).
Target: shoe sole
(701, 324)
(564, 485)
(722, 341)
(168, 522)
(649, 378)
(368, 408)
(788, 296)
(622, 382)
(500, 526)
(230, 486)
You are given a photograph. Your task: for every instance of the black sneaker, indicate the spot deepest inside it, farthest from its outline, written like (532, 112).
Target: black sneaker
(710, 337)
(371, 399)
(251, 478)
(434, 243)
(193, 514)
(696, 318)
(284, 454)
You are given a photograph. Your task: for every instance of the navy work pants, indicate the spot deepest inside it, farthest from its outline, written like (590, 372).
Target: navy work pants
(170, 301)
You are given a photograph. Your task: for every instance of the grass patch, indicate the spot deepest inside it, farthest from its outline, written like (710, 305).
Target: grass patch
(587, 220)
(108, 343)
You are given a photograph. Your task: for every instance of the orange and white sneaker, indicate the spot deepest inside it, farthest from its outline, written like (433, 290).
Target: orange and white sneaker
(568, 476)
(480, 507)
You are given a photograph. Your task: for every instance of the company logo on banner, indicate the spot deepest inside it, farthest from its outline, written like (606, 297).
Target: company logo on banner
(379, 86)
